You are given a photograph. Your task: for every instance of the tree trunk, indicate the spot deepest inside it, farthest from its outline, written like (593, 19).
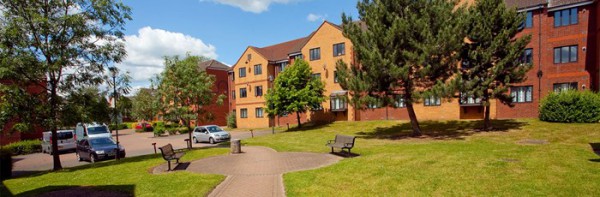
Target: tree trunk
(54, 140)
(298, 117)
(487, 124)
(187, 124)
(413, 119)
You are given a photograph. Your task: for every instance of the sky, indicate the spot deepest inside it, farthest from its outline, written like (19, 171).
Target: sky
(217, 29)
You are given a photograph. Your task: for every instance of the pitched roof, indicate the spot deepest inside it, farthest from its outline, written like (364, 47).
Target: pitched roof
(524, 3)
(556, 3)
(280, 51)
(213, 64)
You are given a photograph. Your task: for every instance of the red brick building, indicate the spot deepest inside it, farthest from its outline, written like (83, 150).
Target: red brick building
(221, 86)
(7, 137)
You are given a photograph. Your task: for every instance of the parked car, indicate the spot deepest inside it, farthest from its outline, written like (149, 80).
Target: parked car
(66, 141)
(211, 134)
(97, 148)
(146, 125)
(83, 130)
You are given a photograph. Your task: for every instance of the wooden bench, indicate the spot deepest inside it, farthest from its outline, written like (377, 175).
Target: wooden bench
(169, 154)
(596, 148)
(342, 142)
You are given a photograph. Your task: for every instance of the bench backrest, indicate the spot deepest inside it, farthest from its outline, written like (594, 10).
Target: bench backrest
(345, 139)
(167, 150)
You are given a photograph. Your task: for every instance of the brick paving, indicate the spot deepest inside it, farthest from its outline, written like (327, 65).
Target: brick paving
(258, 171)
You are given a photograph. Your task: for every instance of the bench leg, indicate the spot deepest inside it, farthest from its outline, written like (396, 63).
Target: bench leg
(177, 161)
(169, 162)
(331, 149)
(349, 153)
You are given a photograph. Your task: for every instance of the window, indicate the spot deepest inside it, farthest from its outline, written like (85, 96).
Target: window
(257, 69)
(243, 93)
(339, 49)
(565, 17)
(249, 57)
(233, 94)
(527, 57)
(432, 101)
(315, 54)
(338, 104)
(258, 91)
(282, 66)
(565, 54)
(561, 87)
(243, 113)
(316, 76)
(242, 72)
(259, 112)
(521, 94)
(529, 20)
(335, 77)
(399, 101)
(469, 100)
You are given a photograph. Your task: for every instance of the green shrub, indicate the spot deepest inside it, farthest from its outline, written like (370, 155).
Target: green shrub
(172, 131)
(182, 130)
(24, 147)
(231, 120)
(571, 106)
(158, 124)
(5, 164)
(158, 131)
(121, 126)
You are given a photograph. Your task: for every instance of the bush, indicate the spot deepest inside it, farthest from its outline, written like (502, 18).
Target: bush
(24, 147)
(231, 120)
(121, 126)
(158, 131)
(571, 106)
(158, 124)
(5, 164)
(182, 130)
(172, 131)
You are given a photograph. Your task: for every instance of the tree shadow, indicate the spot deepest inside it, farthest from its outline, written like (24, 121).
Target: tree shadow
(440, 130)
(594, 160)
(75, 190)
(309, 126)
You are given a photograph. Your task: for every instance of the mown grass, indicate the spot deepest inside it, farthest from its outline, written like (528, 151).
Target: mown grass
(130, 175)
(452, 159)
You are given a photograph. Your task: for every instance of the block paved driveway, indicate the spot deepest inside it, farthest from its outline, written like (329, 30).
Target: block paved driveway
(135, 144)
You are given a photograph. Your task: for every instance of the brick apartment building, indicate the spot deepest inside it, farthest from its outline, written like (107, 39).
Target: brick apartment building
(563, 34)
(6, 136)
(221, 86)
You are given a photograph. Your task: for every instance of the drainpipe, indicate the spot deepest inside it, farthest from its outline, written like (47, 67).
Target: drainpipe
(540, 73)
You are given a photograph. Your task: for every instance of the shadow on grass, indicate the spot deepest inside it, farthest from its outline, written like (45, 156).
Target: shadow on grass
(595, 160)
(344, 154)
(441, 130)
(309, 126)
(74, 190)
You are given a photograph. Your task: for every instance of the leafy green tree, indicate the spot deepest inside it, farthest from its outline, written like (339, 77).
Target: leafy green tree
(491, 54)
(184, 89)
(295, 90)
(119, 84)
(145, 105)
(404, 48)
(56, 45)
(85, 104)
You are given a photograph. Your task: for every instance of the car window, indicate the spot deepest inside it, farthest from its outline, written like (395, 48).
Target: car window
(65, 135)
(213, 129)
(97, 130)
(102, 141)
(203, 130)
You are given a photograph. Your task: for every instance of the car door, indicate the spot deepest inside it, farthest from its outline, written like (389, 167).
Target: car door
(196, 133)
(204, 135)
(83, 149)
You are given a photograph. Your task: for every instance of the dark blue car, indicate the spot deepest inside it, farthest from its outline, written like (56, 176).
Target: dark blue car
(98, 148)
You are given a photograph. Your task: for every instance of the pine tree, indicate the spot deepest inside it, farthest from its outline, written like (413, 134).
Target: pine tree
(491, 54)
(295, 91)
(403, 48)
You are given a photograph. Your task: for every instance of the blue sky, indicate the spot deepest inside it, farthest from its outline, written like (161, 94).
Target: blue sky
(220, 29)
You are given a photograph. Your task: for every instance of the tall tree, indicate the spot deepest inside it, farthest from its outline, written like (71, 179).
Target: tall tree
(84, 104)
(404, 49)
(185, 89)
(58, 44)
(119, 84)
(295, 91)
(145, 105)
(491, 54)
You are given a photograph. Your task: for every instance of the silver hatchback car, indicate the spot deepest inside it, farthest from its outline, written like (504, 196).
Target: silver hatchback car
(211, 134)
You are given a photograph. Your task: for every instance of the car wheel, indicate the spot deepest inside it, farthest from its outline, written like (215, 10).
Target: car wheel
(78, 157)
(196, 140)
(211, 140)
(92, 158)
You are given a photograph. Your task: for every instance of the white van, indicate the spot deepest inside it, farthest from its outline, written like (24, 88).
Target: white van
(91, 130)
(66, 141)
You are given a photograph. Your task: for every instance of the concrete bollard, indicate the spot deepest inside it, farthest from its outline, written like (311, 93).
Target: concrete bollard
(236, 146)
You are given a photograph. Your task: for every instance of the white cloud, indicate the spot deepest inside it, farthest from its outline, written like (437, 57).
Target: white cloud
(145, 51)
(315, 17)
(255, 6)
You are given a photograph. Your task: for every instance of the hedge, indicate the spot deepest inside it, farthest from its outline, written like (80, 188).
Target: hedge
(571, 106)
(24, 147)
(121, 126)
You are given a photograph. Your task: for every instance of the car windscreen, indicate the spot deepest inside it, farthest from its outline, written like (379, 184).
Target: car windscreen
(65, 135)
(102, 141)
(97, 130)
(213, 129)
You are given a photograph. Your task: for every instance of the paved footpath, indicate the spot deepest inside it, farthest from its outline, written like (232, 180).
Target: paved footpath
(258, 171)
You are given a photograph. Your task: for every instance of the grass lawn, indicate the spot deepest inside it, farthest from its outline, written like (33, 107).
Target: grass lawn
(451, 160)
(522, 157)
(130, 175)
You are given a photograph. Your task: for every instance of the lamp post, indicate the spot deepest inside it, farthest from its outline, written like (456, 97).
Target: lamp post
(115, 113)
